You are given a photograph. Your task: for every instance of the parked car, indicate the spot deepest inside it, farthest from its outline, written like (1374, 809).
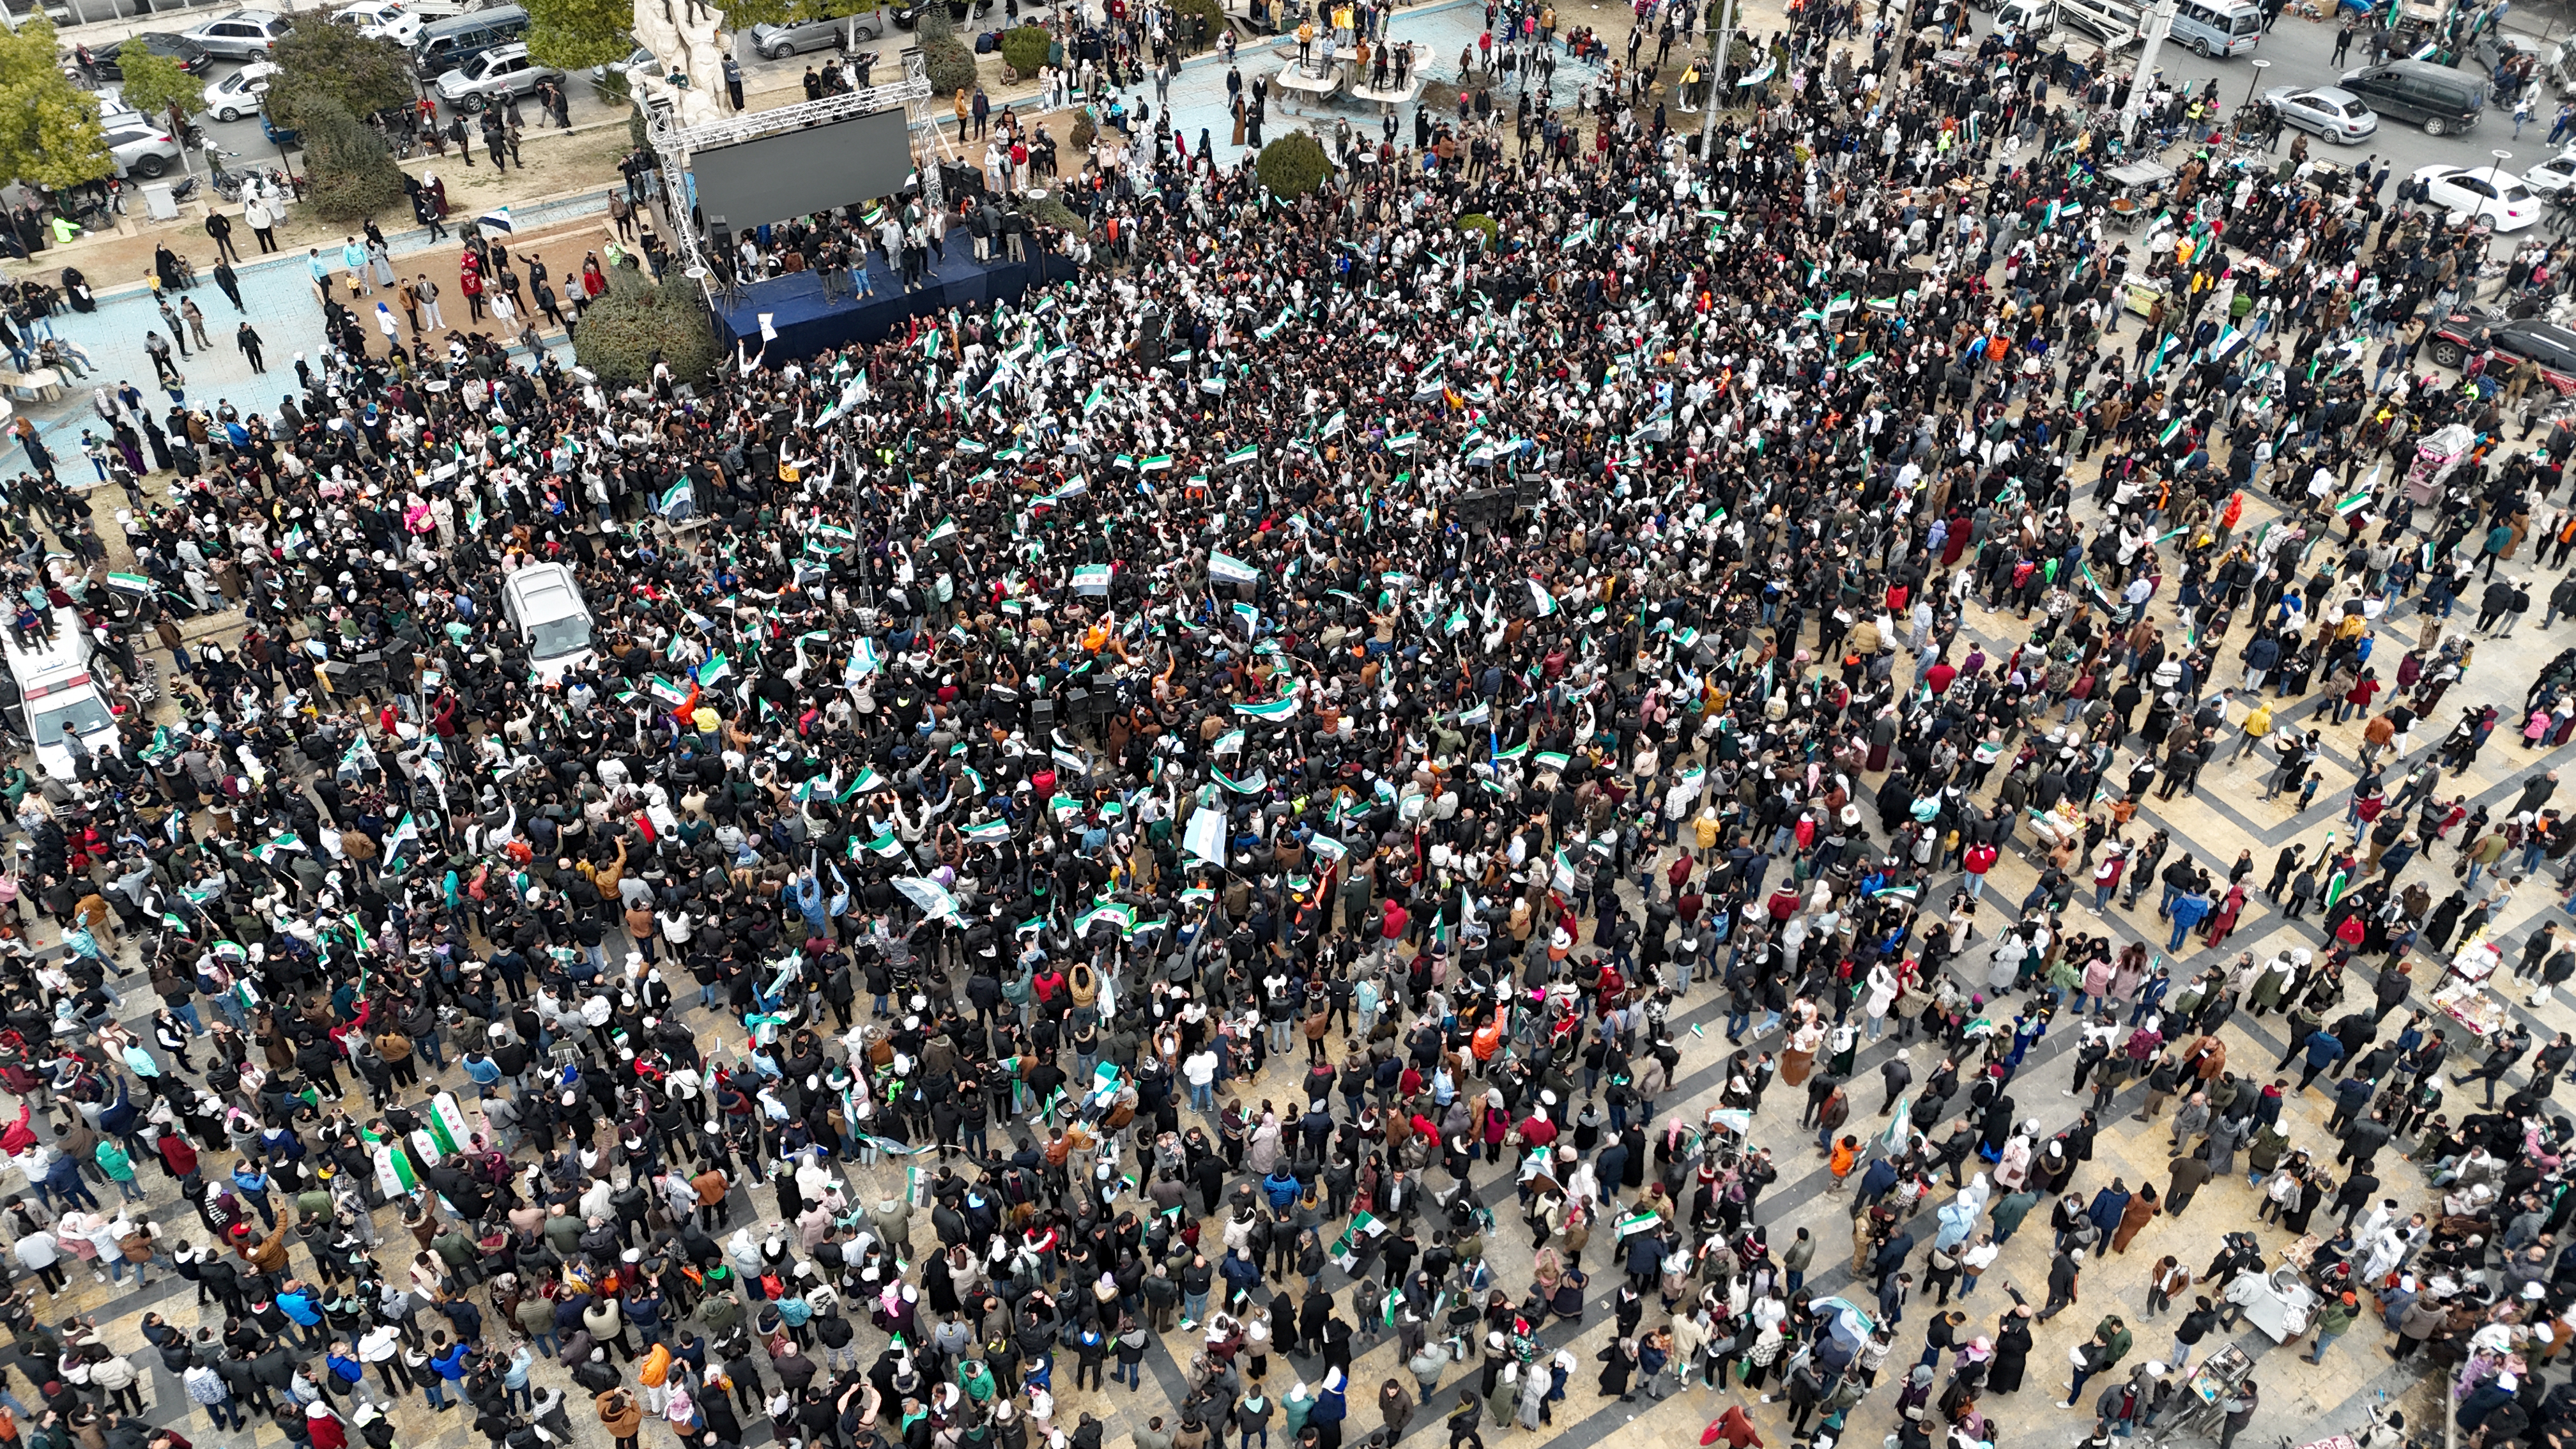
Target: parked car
(777, 42)
(639, 61)
(2480, 193)
(2554, 175)
(505, 71)
(2328, 111)
(239, 94)
(143, 150)
(399, 21)
(191, 56)
(2475, 331)
(279, 136)
(242, 35)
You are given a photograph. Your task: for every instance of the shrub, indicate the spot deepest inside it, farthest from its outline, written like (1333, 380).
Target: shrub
(622, 330)
(945, 60)
(1294, 165)
(637, 133)
(1484, 226)
(1025, 48)
(352, 174)
(1086, 128)
(1053, 212)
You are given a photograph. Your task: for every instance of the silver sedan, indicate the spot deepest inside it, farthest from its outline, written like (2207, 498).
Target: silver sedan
(2328, 111)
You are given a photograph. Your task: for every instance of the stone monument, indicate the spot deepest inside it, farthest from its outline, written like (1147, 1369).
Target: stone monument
(689, 40)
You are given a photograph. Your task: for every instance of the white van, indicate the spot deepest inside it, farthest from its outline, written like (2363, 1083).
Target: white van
(2217, 27)
(2115, 23)
(56, 688)
(544, 602)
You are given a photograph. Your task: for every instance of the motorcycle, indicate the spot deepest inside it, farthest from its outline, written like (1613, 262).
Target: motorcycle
(226, 184)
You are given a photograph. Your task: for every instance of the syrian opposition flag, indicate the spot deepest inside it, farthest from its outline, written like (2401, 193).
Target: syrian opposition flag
(1225, 568)
(1340, 419)
(497, 219)
(1091, 579)
(714, 670)
(865, 659)
(1159, 463)
(991, 832)
(393, 1171)
(1253, 784)
(1541, 599)
(1205, 836)
(1250, 453)
(277, 845)
(680, 498)
(1121, 917)
(1345, 1249)
(1227, 743)
(1276, 709)
(447, 1125)
(931, 896)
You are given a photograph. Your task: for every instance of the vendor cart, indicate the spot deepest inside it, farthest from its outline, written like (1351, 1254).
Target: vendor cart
(2437, 454)
(2279, 1302)
(2468, 1004)
(2199, 1409)
(2139, 182)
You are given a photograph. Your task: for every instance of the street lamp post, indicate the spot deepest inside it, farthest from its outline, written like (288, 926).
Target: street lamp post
(2495, 181)
(2255, 88)
(1716, 80)
(2159, 24)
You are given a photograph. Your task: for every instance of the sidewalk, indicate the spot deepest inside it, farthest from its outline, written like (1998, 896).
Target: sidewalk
(279, 303)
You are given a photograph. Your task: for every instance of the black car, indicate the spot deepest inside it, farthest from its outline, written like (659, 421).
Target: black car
(191, 56)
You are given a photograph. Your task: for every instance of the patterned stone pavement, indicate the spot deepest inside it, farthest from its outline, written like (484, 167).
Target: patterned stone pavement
(2301, 1402)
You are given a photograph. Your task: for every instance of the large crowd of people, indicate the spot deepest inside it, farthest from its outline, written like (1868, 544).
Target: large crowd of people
(1487, 631)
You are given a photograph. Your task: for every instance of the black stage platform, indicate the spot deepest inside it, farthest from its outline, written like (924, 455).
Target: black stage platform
(805, 326)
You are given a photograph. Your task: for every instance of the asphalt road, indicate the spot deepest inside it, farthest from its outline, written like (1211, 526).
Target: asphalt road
(2300, 52)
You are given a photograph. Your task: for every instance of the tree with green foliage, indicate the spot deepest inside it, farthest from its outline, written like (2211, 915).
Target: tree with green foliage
(946, 62)
(353, 175)
(155, 84)
(637, 318)
(1293, 165)
(1025, 47)
(576, 34)
(49, 131)
(319, 60)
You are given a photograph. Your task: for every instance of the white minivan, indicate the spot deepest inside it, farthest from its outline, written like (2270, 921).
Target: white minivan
(2115, 23)
(545, 605)
(56, 689)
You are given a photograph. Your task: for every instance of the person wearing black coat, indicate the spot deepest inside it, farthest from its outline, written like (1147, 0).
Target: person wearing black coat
(2012, 1350)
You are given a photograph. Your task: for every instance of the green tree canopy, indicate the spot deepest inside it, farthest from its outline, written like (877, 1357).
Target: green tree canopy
(576, 34)
(354, 177)
(154, 82)
(49, 132)
(316, 58)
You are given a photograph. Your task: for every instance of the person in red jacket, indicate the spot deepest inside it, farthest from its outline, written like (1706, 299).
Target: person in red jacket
(1391, 924)
(177, 1155)
(1979, 859)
